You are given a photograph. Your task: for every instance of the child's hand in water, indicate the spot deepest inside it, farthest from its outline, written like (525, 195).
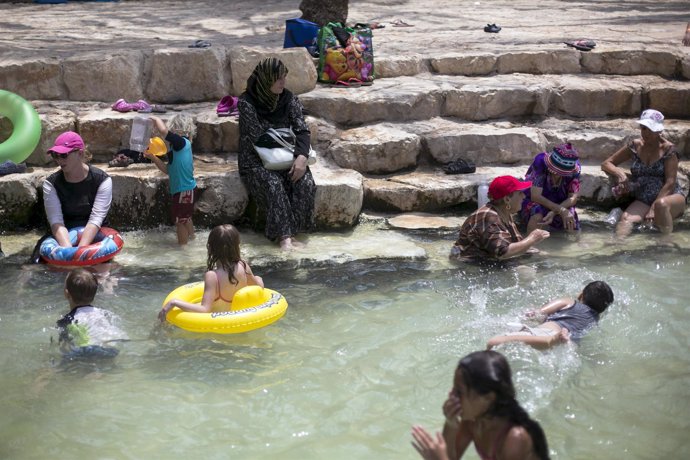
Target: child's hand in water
(164, 311)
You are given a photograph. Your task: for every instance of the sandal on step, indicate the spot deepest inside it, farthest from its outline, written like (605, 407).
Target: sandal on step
(459, 166)
(582, 45)
(120, 161)
(122, 106)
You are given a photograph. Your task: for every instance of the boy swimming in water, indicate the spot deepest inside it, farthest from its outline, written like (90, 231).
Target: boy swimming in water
(87, 331)
(563, 319)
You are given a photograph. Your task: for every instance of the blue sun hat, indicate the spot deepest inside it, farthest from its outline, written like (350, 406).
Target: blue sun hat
(563, 160)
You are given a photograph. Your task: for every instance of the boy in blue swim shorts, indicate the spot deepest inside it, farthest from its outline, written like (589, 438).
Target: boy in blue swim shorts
(563, 319)
(180, 170)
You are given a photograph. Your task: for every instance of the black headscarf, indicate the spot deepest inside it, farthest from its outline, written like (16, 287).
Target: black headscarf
(259, 83)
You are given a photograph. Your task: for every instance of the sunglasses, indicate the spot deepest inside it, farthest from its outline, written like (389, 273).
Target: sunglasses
(57, 155)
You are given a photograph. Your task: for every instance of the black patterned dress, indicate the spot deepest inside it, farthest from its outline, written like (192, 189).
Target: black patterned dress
(289, 206)
(649, 179)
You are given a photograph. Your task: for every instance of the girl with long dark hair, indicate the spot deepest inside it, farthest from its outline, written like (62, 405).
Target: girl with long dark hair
(481, 408)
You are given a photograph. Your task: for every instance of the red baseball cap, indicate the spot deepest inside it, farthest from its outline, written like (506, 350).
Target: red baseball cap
(505, 185)
(67, 142)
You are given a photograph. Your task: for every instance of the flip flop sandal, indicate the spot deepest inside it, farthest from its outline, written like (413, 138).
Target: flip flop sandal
(492, 28)
(357, 82)
(120, 161)
(459, 166)
(401, 23)
(200, 44)
(580, 45)
(158, 108)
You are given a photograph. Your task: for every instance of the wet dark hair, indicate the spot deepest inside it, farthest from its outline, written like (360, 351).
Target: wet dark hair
(224, 250)
(597, 295)
(81, 285)
(489, 372)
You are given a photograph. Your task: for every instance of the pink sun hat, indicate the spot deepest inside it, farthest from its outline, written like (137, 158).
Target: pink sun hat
(67, 142)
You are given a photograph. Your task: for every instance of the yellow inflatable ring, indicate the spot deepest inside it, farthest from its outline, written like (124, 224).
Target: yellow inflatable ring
(253, 307)
(26, 127)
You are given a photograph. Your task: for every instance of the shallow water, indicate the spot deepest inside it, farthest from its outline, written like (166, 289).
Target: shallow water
(377, 321)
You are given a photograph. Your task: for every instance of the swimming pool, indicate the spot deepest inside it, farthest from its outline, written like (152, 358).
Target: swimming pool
(377, 321)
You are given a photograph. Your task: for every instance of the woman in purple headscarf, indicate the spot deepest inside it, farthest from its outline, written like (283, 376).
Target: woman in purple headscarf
(555, 189)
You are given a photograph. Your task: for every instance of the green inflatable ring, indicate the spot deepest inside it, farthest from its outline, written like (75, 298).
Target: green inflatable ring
(26, 127)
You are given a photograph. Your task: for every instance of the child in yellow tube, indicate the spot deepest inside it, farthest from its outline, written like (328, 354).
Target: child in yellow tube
(227, 273)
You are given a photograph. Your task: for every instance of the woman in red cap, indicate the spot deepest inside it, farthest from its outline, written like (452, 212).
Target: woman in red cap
(77, 195)
(490, 232)
(555, 189)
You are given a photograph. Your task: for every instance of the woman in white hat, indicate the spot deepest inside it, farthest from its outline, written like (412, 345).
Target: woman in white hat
(658, 198)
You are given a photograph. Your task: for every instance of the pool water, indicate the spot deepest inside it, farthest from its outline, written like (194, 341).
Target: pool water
(377, 321)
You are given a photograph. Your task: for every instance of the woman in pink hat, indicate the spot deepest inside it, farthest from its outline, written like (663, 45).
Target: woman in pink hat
(555, 189)
(658, 198)
(490, 233)
(76, 195)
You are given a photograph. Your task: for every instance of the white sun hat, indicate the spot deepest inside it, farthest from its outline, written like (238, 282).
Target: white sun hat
(652, 119)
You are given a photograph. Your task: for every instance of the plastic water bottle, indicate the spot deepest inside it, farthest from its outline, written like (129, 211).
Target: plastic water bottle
(482, 194)
(614, 216)
(140, 135)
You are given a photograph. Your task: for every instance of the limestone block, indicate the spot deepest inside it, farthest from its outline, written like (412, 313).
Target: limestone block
(542, 62)
(53, 123)
(590, 145)
(216, 134)
(140, 198)
(398, 66)
(482, 144)
(104, 76)
(35, 79)
(594, 186)
(492, 98)
(400, 99)
(598, 97)
(19, 199)
(671, 98)
(301, 76)
(685, 66)
(463, 64)
(202, 79)
(630, 62)
(418, 191)
(339, 196)
(375, 149)
(223, 198)
(105, 132)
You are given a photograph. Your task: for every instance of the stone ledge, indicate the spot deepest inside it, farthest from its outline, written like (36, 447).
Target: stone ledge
(141, 198)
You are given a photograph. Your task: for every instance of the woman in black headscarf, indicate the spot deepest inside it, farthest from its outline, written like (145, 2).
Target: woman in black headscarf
(287, 196)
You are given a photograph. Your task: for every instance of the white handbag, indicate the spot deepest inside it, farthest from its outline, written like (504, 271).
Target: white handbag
(281, 156)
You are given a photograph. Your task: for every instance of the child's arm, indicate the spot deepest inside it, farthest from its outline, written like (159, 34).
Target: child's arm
(551, 307)
(160, 125)
(210, 289)
(252, 279)
(538, 342)
(163, 167)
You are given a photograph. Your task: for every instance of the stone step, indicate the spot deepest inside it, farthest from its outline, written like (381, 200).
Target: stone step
(429, 189)
(383, 148)
(376, 147)
(498, 97)
(141, 198)
(214, 72)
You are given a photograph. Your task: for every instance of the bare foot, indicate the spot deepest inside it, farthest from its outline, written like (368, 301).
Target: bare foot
(286, 244)
(686, 39)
